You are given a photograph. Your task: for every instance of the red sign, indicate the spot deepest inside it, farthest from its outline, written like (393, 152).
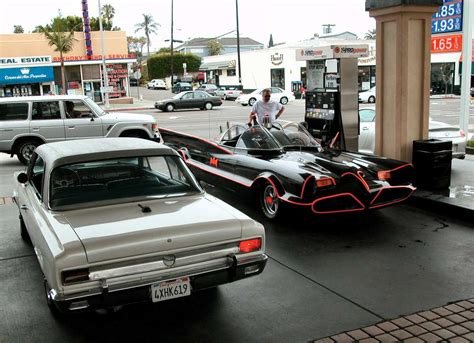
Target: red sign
(451, 43)
(95, 57)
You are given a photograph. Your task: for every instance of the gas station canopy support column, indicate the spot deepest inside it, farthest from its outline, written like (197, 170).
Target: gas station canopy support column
(402, 72)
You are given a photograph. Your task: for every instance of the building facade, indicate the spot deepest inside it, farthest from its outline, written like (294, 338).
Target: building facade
(29, 66)
(277, 66)
(199, 46)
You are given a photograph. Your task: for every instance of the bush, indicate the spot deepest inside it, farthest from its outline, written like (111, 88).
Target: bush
(470, 143)
(159, 66)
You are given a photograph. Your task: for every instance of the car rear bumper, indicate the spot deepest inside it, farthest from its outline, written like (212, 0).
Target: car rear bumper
(134, 293)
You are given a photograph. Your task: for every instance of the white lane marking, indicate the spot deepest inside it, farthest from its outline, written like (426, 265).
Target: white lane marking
(173, 117)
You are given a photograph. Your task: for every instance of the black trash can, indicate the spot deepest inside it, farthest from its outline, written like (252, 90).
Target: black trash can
(432, 162)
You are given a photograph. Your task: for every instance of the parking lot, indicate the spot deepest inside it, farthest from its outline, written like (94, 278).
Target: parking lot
(324, 275)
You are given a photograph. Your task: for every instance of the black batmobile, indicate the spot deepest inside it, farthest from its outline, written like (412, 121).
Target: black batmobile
(284, 164)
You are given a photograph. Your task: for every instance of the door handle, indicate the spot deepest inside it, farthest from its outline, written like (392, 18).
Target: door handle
(365, 128)
(71, 127)
(35, 128)
(23, 207)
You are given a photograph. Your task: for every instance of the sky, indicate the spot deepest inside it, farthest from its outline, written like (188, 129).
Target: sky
(287, 20)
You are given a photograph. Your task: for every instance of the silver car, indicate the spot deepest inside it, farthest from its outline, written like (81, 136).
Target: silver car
(437, 130)
(123, 220)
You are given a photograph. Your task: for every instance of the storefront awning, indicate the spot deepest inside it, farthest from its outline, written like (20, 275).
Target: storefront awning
(12, 76)
(217, 65)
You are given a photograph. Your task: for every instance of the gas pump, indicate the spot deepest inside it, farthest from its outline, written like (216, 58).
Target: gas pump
(332, 105)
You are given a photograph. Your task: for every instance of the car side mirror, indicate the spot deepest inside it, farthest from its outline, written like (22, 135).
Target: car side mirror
(22, 178)
(91, 115)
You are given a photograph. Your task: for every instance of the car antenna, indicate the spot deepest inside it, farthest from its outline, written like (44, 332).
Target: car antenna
(145, 209)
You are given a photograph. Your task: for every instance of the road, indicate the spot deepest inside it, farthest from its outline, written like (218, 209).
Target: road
(444, 110)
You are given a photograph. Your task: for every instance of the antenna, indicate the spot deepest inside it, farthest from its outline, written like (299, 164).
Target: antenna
(327, 28)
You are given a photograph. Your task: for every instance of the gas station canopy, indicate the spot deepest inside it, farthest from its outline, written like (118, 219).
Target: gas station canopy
(332, 51)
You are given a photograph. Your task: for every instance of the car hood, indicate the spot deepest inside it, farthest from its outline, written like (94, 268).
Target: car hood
(124, 116)
(121, 231)
(335, 164)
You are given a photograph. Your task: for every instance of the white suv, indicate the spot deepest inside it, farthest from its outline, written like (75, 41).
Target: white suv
(27, 122)
(156, 84)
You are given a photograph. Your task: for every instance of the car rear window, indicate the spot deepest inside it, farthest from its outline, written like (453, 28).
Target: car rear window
(13, 111)
(115, 180)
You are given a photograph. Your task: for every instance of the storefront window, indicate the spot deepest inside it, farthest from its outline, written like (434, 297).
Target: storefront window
(117, 74)
(366, 77)
(230, 72)
(91, 72)
(278, 77)
(442, 78)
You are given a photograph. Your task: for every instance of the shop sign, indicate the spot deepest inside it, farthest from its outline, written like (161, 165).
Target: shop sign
(276, 58)
(307, 54)
(451, 43)
(26, 75)
(94, 57)
(347, 51)
(12, 61)
(448, 18)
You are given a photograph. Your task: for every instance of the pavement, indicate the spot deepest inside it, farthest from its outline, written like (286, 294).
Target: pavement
(453, 322)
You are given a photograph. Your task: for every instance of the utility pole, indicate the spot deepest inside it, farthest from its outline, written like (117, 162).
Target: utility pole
(466, 66)
(327, 28)
(105, 95)
(238, 41)
(172, 71)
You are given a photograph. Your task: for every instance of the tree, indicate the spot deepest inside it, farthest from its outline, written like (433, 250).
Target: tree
(136, 44)
(214, 47)
(108, 13)
(164, 51)
(159, 65)
(371, 34)
(62, 40)
(446, 74)
(18, 29)
(270, 42)
(149, 26)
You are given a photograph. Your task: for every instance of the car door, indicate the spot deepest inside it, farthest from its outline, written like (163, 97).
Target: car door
(46, 121)
(83, 122)
(367, 130)
(13, 122)
(186, 101)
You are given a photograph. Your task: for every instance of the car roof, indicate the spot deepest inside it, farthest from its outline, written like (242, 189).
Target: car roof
(43, 98)
(75, 151)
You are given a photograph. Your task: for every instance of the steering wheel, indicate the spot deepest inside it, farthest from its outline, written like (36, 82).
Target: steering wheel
(65, 177)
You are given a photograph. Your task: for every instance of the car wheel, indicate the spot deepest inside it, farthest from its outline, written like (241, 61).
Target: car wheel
(25, 150)
(371, 99)
(252, 101)
(208, 106)
(284, 100)
(169, 108)
(269, 201)
(23, 231)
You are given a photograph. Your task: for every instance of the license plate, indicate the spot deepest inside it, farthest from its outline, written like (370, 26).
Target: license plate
(170, 289)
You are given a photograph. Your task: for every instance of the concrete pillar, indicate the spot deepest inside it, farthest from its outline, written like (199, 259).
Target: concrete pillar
(403, 73)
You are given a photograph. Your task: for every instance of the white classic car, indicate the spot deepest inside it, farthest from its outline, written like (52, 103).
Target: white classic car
(123, 220)
(277, 94)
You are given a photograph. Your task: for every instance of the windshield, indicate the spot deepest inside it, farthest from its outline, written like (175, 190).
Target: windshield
(96, 108)
(115, 180)
(293, 134)
(257, 137)
(178, 96)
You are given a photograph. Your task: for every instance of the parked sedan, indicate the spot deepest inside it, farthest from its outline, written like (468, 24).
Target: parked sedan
(191, 99)
(277, 94)
(367, 96)
(179, 87)
(437, 130)
(123, 220)
(228, 92)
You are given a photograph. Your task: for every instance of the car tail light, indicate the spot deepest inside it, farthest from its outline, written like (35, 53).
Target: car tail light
(326, 182)
(384, 175)
(75, 276)
(250, 245)
(462, 133)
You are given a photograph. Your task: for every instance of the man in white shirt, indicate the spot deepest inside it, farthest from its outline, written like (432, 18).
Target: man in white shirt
(265, 110)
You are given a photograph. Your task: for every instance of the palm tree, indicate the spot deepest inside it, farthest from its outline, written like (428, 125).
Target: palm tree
(108, 13)
(214, 47)
(149, 26)
(371, 34)
(61, 40)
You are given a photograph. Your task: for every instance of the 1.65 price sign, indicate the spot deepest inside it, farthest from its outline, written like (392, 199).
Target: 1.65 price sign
(450, 43)
(448, 18)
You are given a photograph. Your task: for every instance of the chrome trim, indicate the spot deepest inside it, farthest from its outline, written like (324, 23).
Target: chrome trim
(121, 283)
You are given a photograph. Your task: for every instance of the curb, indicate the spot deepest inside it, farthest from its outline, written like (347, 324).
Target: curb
(130, 109)
(442, 208)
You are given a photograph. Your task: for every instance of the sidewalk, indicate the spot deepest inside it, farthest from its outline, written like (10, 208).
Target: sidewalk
(137, 105)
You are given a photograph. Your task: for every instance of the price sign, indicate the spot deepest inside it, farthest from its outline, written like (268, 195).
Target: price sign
(448, 18)
(450, 43)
